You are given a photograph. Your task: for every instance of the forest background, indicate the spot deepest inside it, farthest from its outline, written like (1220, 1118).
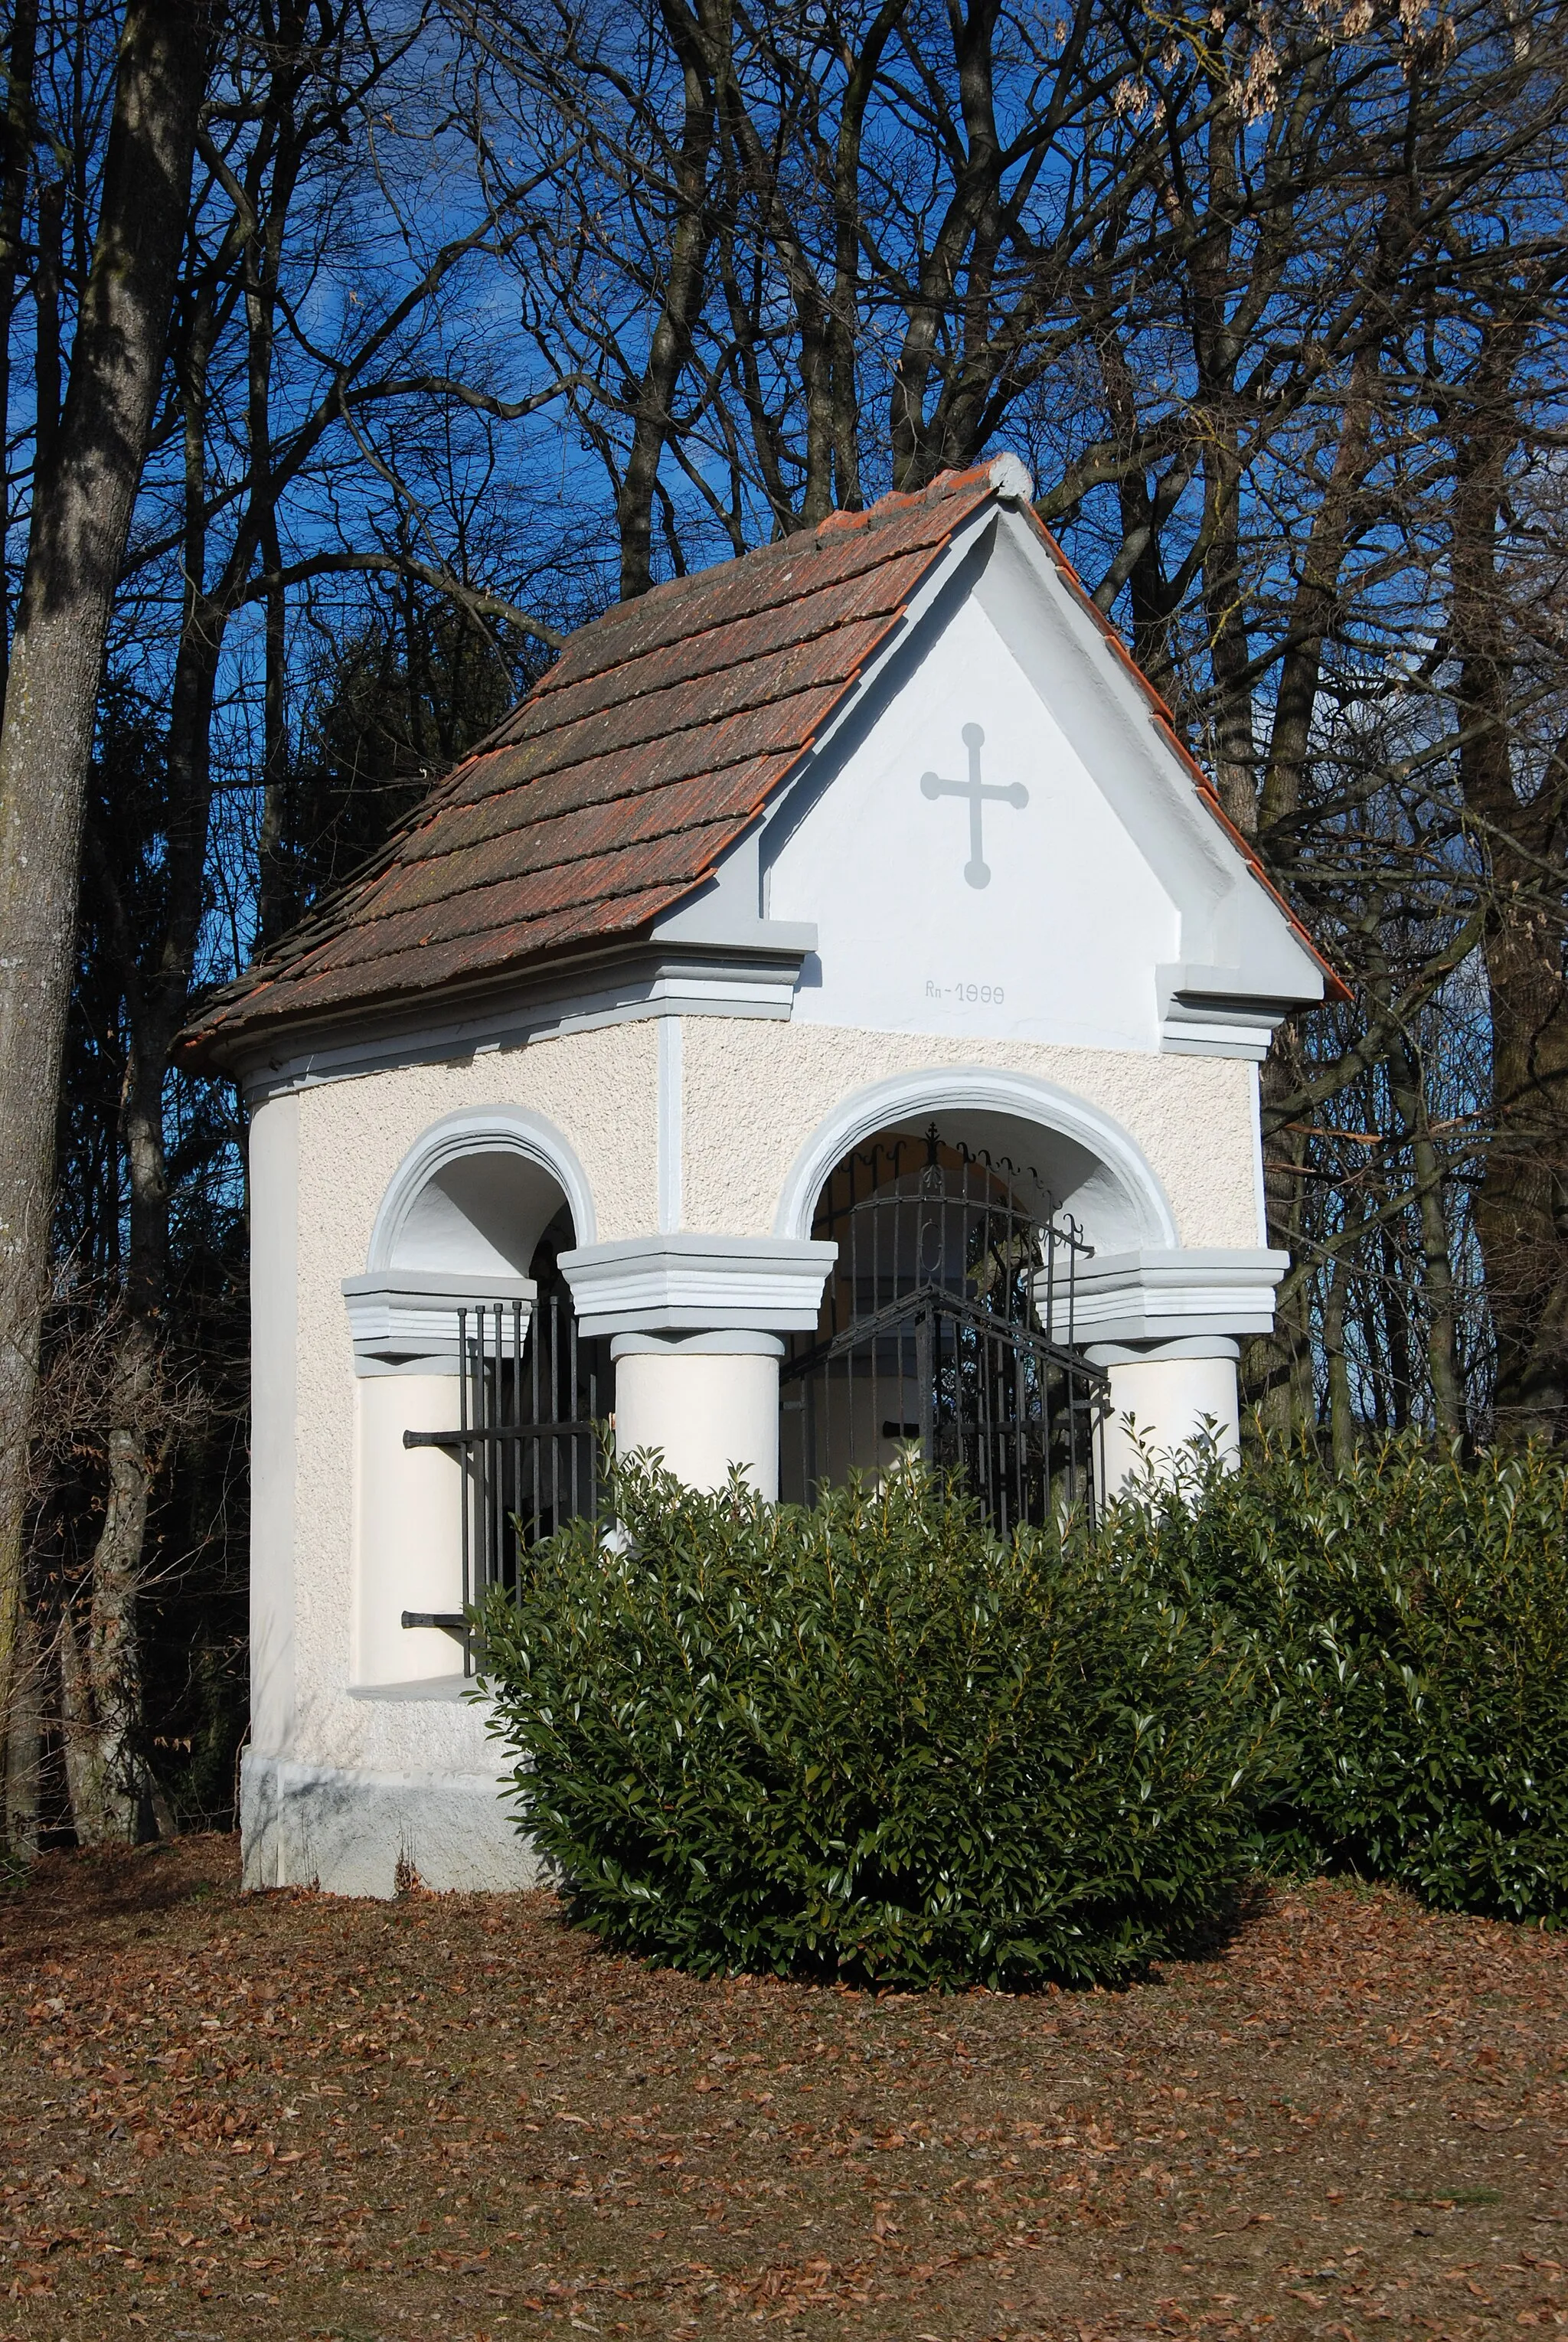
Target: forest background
(353, 351)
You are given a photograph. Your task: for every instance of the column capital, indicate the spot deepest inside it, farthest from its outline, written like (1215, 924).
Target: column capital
(688, 1283)
(731, 1342)
(405, 1320)
(1165, 1294)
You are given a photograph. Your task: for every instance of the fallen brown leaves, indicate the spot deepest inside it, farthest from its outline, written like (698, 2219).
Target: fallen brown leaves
(292, 2117)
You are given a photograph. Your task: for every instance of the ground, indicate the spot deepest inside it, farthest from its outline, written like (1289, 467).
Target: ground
(291, 2117)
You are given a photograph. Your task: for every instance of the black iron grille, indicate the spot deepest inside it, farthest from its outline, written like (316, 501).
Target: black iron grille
(527, 1440)
(930, 1334)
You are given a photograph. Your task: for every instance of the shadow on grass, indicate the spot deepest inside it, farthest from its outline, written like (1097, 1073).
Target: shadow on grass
(62, 1891)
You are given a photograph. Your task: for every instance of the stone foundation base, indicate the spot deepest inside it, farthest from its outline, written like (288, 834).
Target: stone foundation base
(352, 1833)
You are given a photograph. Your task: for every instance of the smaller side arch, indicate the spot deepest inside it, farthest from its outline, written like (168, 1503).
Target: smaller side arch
(473, 1132)
(1121, 1199)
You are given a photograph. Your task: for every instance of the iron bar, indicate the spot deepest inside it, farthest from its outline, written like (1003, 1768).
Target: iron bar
(938, 1325)
(515, 1368)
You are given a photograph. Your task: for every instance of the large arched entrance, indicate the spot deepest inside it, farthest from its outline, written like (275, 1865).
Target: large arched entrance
(946, 1328)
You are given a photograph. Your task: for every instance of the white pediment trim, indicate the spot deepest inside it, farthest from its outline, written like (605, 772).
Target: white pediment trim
(1228, 918)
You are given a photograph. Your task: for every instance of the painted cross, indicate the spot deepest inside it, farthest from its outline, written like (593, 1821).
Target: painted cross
(1012, 793)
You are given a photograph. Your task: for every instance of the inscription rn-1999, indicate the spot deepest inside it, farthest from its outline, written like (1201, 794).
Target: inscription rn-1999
(987, 994)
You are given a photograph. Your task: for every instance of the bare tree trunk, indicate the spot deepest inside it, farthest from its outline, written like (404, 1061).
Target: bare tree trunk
(1409, 1088)
(274, 893)
(46, 302)
(106, 1773)
(1522, 1208)
(1315, 611)
(81, 521)
(1277, 1367)
(78, 1740)
(18, 136)
(24, 1740)
(1396, 1321)
(1341, 1413)
(114, 1658)
(685, 285)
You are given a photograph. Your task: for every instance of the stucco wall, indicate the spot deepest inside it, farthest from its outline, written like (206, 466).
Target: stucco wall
(599, 1090)
(753, 1092)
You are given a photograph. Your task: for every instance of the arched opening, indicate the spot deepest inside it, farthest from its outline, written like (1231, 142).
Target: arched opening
(947, 1324)
(476, 1395)
(1070, 1156)
(479, 1215)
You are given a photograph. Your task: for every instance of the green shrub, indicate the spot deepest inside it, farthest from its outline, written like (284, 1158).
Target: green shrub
(1412, 1614)
(866, 1740)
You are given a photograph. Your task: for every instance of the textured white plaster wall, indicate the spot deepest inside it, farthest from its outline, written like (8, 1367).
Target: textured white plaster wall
(600, 1090)
(753, 1092)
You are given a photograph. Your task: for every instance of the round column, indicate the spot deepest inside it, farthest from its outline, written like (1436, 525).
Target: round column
(408, 1501)
(1165, 1396)
(409, 1540)
(706, 1401)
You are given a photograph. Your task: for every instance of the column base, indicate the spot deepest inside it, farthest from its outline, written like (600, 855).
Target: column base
(360, 1833)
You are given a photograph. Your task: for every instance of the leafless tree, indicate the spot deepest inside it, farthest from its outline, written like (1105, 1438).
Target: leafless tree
(1274, 303)
(81, 515)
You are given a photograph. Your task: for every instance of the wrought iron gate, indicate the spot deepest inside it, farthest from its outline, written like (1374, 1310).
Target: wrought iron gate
(930, 1334)
(527, 1441)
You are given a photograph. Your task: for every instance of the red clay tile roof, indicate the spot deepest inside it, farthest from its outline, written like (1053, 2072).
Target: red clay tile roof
(659, 733)
(611, 791)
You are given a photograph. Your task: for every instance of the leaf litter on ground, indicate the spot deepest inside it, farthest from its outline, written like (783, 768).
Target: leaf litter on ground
(289, 2114)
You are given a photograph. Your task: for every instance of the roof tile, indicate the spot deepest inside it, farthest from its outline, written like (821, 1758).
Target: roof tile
(657, 735)
(636, 762)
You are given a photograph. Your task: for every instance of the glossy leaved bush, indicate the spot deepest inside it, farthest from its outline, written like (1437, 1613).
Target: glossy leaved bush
(1411, 1617)
(868, 1741)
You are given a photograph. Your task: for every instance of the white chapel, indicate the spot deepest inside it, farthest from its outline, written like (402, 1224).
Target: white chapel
(824, 1016)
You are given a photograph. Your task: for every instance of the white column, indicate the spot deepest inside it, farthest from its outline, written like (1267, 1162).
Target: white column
(274, 1366)
(1165, 1321)
(695, 1321)
(1165, 1396)
(708, 1402)
(408, 1501)
(408, 1539)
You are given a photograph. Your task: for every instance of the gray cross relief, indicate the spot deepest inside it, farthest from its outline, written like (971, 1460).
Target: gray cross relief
(1012, 793)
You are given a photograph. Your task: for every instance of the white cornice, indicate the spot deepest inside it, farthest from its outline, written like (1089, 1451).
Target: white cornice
(1163, 1294)
(397, 1315)
(1209, 1012)
(753, 975)
(679, 1283)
